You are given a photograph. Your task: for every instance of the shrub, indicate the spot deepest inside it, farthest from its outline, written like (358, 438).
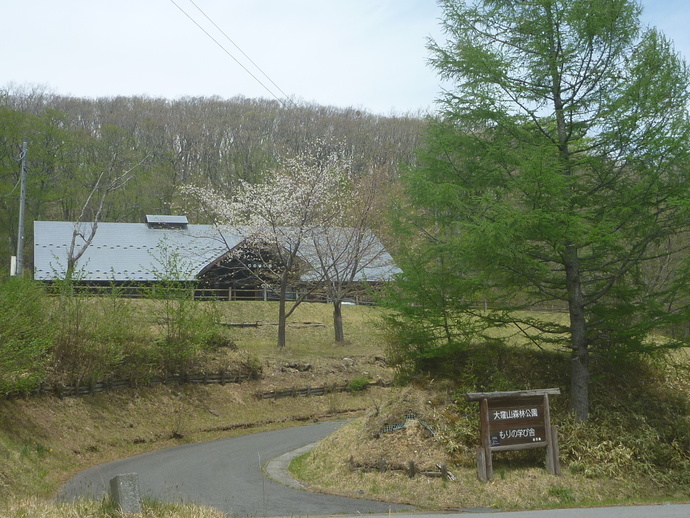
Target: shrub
(358, 384)
(25, 336)
(92, 335)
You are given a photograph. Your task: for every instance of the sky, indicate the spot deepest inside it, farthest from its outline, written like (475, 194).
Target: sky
(364, 54)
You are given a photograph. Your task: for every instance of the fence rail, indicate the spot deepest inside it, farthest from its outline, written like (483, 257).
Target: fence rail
(316, 391)
(221, 378)
(410, 469)
(195, 293)
(91, 387)
(259, 294)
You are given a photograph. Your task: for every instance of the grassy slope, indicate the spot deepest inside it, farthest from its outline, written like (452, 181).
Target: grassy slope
(43, 441)
(634, 449)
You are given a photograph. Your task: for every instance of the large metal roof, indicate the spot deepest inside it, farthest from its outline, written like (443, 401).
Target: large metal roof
(127, 251)
(123, 252)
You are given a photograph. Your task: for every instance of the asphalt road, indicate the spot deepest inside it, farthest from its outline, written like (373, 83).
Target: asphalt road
(227, 474)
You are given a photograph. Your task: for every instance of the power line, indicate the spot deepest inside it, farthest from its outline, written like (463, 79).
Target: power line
(238, 48)
(229, 54)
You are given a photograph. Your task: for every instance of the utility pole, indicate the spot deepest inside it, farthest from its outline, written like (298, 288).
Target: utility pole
(22, 208)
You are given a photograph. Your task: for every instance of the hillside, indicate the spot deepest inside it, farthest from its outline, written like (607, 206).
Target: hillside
(634, 449)
(149, 148)
(46, 439)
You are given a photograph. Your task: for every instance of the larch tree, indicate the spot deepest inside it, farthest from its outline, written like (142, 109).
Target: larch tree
(557, 174)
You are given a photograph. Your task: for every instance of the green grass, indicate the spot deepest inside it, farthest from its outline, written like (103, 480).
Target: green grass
(635, 449)
(303, 340)
(45, 440)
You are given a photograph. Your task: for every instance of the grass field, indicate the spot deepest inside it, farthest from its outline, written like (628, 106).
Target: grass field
(634, 450)
(44, 440)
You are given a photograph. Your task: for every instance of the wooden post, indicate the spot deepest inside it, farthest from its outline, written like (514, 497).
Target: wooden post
(486, 438)
(550, 465)
(481, 464)
(555, 451)
(412, 469)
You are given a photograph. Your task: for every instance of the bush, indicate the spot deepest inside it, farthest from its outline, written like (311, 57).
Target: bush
(25, 336)
(640, 423)
(93, 336)
(358, 384)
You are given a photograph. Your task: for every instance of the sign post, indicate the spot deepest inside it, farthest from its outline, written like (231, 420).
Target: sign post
(517, 420)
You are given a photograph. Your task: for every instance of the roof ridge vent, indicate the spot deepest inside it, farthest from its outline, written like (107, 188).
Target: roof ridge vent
(166, 221)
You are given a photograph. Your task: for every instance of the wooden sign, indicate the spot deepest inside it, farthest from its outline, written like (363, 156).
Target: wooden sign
(517, 420)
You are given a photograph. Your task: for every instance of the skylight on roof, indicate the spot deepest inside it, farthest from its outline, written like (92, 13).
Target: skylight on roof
(166, 221)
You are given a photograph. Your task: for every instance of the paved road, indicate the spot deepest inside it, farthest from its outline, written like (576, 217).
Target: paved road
(646, 511)
(226, 474)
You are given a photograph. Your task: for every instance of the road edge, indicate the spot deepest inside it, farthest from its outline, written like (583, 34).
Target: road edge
(277, 468)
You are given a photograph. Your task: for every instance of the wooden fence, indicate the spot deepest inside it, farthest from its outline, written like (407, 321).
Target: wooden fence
(221, 378)
(152, 291)
(410, 469)
(316, 391)
(91, 387)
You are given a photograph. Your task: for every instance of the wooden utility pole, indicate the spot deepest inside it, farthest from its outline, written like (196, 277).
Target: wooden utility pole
(22, 209)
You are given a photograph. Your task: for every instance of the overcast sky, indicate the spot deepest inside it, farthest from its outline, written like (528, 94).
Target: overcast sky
(367, 54)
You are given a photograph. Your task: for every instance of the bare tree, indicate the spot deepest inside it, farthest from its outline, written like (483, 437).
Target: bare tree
(85, 231)
(343, 256)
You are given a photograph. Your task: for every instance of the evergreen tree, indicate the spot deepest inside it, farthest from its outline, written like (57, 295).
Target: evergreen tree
(557, 175)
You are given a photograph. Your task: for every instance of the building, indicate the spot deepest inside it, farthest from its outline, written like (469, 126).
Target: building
(219, 264)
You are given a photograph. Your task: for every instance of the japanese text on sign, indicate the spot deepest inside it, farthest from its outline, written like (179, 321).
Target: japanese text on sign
(519, 433)
(518, 413)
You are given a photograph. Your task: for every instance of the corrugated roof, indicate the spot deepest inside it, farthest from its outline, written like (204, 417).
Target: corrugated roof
(125, 251)
(133, 251)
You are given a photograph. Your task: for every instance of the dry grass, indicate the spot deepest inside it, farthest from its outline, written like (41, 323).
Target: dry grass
(520, 478)
(35, 508)
(54, 438)
(304, 341)
(44, 441)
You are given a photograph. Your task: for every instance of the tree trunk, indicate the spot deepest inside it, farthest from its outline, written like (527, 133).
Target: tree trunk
(338, 321)
(579, 371)
(281, 311)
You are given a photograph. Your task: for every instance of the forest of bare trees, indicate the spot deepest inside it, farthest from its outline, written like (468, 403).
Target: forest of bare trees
(163, 144)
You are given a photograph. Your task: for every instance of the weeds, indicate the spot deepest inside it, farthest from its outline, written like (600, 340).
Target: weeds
(25, 336)
(565, 495)
(358, 384)
(39, 449)
(103, 508)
